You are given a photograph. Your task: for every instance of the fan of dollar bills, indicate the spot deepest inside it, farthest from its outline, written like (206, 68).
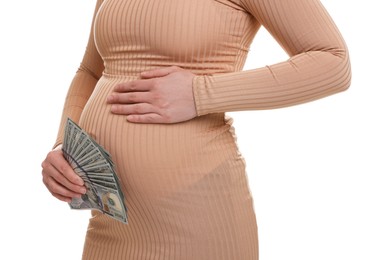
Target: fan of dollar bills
(94, 165)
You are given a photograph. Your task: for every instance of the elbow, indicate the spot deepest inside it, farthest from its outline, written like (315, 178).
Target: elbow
(341, 73)
(89, 71)
(344, 72)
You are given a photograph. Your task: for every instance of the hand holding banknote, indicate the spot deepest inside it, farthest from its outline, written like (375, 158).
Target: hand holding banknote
(60, 179)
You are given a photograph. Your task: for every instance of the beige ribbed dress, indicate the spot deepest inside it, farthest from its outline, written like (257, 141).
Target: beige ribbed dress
(185, 184)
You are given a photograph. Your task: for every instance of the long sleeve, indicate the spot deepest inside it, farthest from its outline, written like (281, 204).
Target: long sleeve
(318, 66)
(83, 83)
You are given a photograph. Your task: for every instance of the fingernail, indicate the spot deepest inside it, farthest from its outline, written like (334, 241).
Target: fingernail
(83, 191)
(109, 98)
(114, 108)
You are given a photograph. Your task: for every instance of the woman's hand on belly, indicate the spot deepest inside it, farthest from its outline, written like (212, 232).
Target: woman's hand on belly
(59, 178)
(160, 96)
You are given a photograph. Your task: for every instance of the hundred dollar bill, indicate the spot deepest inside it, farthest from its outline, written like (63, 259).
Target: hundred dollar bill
(111, 202)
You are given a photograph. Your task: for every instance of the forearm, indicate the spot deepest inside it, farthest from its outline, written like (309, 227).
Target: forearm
(79, 92)
(303, 78)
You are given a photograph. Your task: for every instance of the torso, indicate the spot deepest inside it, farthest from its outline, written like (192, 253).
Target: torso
(184, 184)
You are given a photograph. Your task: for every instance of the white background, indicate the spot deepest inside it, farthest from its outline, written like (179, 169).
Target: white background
(317, 171)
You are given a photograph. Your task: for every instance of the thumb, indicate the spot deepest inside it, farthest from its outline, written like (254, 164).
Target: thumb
(161, 72)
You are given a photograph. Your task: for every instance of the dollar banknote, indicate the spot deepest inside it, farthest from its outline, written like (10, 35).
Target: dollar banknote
(95, 166)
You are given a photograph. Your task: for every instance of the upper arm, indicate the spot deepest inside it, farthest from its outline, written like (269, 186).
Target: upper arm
(92, 62)
(298, 25)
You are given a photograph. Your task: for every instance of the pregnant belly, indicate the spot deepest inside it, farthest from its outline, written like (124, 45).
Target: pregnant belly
(159, 158)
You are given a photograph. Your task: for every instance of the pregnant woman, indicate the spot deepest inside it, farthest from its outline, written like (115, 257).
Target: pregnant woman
(155, 82)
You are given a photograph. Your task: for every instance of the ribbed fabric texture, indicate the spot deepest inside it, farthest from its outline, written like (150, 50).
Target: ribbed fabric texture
(185, 185)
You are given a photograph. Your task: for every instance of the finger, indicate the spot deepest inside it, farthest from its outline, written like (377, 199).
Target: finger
(51, 174)
(135, 85)
(69, 185)
(71, 178)
(162, 72)
(56, 160)
(147, 118)
(130, 109)
(58, 190)
(62, 198)
(128, 97)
